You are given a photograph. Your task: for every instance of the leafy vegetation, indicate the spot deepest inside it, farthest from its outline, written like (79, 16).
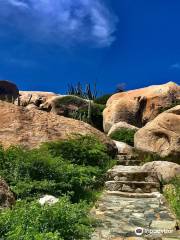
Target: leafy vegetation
(75, 168)
(70, 100)
(124, 135)
(92, 115)
(30, 221)
(172, 194)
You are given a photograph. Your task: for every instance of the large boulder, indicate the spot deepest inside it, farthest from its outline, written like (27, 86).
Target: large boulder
(6, 196)
(166, 171)
(162, 135)
(30, 128)
(34, 97)
(137, 107)
(121, 125)
(8, 91)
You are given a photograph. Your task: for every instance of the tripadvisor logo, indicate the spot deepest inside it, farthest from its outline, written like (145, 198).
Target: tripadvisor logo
(139, 231)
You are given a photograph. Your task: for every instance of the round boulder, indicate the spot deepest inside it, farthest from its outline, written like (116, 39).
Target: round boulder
(8, 91)
(162, 135)
(166, 171)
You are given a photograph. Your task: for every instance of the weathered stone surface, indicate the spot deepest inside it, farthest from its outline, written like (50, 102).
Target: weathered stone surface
(166, 171)
(120, 216)
(20, 126)
(8, 91)
(161, 135)
(35, 97)
(121, 125)
(64, 105)
(137, 107)
(124, 148)
(6, 196)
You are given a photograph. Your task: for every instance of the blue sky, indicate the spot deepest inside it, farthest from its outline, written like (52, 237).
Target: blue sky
(46, 44)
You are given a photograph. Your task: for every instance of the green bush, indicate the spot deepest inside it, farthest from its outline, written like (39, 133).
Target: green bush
(30, 221)
(103, 99)
(81, 150)
(71, 100)
(172, 194)
(95, 118)
(74, 167)
(124, 135)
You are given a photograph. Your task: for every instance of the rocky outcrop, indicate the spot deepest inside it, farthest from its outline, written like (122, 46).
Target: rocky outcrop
(123, 148)
(8, 91)
(6, 196)
(34, 97)
(166, 171)
(121, 125)
(162, 135)
(64, 105)
(30, 128)
(137, 107)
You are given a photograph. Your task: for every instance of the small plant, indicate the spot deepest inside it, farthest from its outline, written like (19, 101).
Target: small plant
(172, 194)
(124, 135)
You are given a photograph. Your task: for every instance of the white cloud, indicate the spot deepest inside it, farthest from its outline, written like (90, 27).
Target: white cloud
(175, 66)
(62, 21)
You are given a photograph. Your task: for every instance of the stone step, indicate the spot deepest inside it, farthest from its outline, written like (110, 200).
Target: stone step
(125, 157)
(134, 195)
(132, 186)
(131, 173)
(129, 162)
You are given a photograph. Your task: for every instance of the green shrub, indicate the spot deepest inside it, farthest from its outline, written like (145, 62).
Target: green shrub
(103, 99)
(95, 118)
(30, 221)
(71, 100)
(75, 167)
(124, 135)
(81, 150)
(172, 194)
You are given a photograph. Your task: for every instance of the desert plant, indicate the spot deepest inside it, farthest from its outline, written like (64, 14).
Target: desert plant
(124, 135)
(78, 90)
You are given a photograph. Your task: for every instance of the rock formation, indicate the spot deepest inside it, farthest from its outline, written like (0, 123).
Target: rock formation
(161, 135)
(20, 126)
(137, 107)
(6, 196)
(34, 97)
(166, 171)
(8, 91)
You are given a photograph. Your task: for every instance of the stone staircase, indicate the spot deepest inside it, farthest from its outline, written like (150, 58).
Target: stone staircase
(132, 201)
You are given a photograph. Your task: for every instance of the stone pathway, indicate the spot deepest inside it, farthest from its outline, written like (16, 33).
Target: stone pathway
(131, 207)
